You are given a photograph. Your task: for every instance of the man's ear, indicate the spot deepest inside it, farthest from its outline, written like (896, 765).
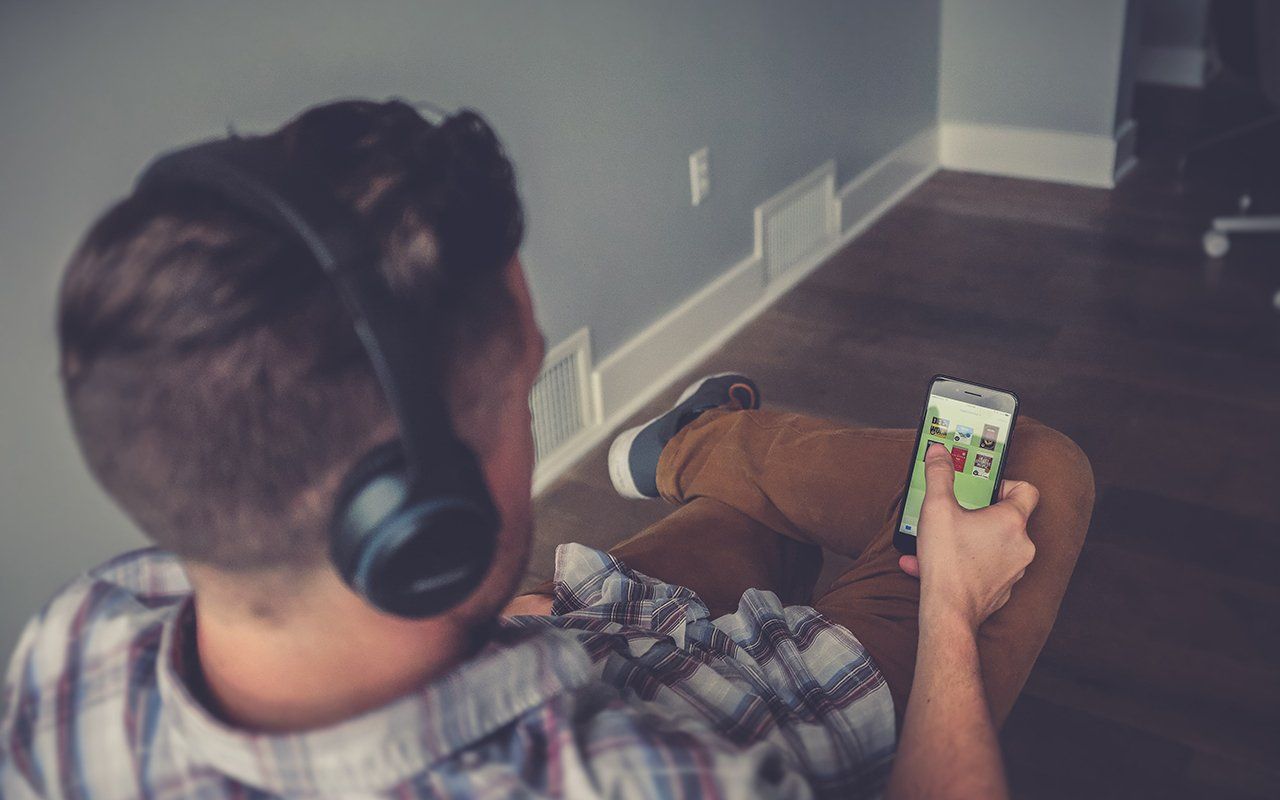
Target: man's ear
(495, 381)
(526, 317)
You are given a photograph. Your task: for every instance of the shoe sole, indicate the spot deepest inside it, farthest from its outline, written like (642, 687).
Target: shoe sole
(620, 451)
(620, 468)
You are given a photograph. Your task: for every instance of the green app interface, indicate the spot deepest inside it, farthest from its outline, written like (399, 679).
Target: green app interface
(975, 437)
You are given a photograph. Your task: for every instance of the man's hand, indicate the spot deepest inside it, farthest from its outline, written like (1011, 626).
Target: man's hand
(531, 605)
(968, 561)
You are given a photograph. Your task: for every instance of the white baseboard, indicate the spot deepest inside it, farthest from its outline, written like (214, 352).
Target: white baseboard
(1186, 67)
(1126, 157)
(677, 341)
(863, 199)
(1058, 156)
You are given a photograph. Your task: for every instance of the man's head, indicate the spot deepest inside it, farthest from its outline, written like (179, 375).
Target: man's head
(215, 382)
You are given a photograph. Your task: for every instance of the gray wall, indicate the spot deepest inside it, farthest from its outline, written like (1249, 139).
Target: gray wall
(600, 105)
(1042, 64)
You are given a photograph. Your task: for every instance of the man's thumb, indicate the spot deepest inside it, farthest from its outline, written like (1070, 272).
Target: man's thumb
(939, 474)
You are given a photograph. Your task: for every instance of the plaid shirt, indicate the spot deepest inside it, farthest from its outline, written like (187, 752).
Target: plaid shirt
(629, 690)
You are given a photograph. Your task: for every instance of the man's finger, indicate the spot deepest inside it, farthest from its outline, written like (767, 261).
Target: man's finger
(939, 474)
(1007, 486)
(1020, 495)
(910, 565)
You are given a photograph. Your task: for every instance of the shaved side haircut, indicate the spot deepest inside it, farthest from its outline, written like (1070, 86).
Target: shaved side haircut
(212, 376)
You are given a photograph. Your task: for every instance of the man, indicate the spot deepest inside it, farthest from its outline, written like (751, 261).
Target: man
(220, 396)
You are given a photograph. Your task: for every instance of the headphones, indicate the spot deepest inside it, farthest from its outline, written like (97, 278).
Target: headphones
(413, 527)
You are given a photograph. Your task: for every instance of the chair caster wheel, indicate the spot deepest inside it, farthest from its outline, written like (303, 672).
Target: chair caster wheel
(1216, 244)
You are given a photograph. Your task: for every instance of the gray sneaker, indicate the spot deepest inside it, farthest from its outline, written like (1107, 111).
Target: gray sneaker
(633, 456)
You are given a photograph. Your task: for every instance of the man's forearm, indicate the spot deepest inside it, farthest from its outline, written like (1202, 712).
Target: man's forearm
(948, 746)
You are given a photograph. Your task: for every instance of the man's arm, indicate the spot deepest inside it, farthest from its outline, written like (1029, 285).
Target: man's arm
(948, 746)
(967, 562)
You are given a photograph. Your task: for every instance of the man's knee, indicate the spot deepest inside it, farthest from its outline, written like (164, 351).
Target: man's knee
(1056, 465)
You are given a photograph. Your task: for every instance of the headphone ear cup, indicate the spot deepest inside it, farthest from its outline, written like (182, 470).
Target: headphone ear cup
(413, 550)
(373, 491)
(385, 458)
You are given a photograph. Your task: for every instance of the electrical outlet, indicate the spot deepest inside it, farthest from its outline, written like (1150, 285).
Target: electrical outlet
(699, 175)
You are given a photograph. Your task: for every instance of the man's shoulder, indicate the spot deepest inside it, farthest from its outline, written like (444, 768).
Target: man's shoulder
(153, 576)
(80, 651)
(99, 611)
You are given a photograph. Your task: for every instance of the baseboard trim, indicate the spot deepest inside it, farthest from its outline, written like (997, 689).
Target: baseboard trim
(1074, 158)
(648, 363)
(1126, 157)
(872, 192)
(642, 367)
(1185, 67)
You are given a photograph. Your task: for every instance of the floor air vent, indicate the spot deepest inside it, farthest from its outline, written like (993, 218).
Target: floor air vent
(561, 398)
(798, 222)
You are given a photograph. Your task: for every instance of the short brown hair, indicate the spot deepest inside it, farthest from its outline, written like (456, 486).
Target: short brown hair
(211, 373)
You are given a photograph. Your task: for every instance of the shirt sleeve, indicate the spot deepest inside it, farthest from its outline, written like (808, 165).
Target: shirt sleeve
(13, 786)
(768, 675)
(660, 761)
(16, 783)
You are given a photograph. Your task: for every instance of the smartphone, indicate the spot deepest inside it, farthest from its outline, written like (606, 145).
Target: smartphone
(975, 423)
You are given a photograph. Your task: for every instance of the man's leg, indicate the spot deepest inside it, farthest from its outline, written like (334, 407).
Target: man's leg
(813, 480)
(723, 538)
(1011, 639)
(705, 545)
(839, 487)
(719, 553)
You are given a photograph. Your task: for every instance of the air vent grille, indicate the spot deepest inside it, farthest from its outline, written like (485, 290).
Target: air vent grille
(561, 399)
(798, 222)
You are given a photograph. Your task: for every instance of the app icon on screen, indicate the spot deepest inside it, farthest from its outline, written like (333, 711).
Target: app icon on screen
(939, 426)
(964, 434)
(982, 467)
(958, 455)
(989, 434)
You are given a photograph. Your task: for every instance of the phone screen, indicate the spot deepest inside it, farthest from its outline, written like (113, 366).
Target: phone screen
(976, 438)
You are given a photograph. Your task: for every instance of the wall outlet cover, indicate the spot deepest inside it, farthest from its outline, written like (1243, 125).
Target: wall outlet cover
(700, 175)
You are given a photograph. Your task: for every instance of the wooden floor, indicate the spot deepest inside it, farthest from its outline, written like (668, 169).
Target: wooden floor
(1162, 676)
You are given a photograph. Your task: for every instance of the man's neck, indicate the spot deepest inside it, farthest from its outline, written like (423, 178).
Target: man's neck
(323, 657)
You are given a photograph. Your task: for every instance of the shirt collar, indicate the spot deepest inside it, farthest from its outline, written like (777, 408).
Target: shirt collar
(519, 671)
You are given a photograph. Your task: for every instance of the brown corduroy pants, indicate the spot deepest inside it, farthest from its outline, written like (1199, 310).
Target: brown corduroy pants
(759, 493)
